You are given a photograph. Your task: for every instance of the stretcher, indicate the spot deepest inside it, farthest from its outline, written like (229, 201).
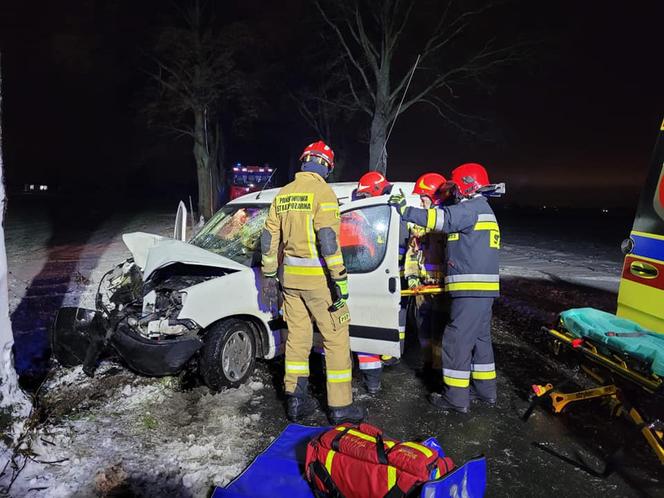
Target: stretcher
(279, 471)
(620, 356)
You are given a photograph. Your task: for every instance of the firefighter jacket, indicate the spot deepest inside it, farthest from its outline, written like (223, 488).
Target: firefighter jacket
(425, 256)
(304, 218)
(473, 240)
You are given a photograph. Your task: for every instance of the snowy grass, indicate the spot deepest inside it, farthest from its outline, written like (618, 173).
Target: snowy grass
(144, 436)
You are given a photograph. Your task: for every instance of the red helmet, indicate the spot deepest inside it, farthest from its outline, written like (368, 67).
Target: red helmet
(469, 178)
(429, 184)
(319, 150)
(372, 183)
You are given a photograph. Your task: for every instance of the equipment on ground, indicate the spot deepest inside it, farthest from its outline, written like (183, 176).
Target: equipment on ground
(278, 471)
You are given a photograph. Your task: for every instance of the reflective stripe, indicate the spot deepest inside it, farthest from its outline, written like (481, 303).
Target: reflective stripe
(297, 367)
(402, 335)
(329, 206)
(364, 436)
(422, 449)
(473, 286)
(473, 277)
(371, 365)
(459, 374)
(486, 225)
(487, 217)
(295, 261)
(484, 375)
(303, 270)
(440, 220)
(452, 382)
(437, 474)
(328, 461)
(334, 260)
(391, 477)
(338, 376)
(431, 219)
(482, 367)
(311, 237)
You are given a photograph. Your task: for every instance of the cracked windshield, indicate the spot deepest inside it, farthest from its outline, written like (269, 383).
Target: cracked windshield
(234, 232)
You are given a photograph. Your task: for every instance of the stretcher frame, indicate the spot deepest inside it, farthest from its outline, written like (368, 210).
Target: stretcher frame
(608, 389)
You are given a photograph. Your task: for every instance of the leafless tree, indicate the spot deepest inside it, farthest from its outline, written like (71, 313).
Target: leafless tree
(197, 79)
(370, 33)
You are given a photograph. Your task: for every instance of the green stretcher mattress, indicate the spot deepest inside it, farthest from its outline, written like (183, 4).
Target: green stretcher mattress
(617, 334)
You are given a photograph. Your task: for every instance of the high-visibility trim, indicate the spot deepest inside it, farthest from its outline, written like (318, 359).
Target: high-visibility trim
(371, 365)
(452, 382)
(402, 335)
(486, 225)
(459, 374)
(304, 270)
(453, 236)
(484, 375)
(311, 237)
(473, 286)
(295, 261)
(364, 436)
(329, 206)
(472, 277)
(431, 219)
(422, 449)
(437, 474)
(339, 376)
(299, 367)
(328, 461)
(482, 367)
(487, 217)
(337, 260)
(391, 477)
(440, 220)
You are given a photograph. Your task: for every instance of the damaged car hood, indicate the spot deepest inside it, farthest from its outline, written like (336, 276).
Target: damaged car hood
(152, 252)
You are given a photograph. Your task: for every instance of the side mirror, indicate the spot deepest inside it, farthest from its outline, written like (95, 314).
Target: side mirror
(627, 246)
(180, 229)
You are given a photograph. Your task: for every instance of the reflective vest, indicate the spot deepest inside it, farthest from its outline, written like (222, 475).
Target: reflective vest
(473, 241)
(425, 256)
(304, 218)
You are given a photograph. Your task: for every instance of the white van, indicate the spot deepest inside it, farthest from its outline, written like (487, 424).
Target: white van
(175, 298)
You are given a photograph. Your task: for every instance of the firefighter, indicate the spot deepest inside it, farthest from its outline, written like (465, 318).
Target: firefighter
(304, 219)
(373, 184)
(424, 263)
(471, 281)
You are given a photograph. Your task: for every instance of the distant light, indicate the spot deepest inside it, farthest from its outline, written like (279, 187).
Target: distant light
(380, 226)
(244, 169)
(236, 169)
(252, 185)
(32, 187)
(605, 210)
(543, 207)
(262, 170)
(269, 170)
(238, 164)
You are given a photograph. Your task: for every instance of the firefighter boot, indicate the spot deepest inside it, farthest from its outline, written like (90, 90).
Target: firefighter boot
(476, 397)
(439, 401)
(372, 380)
(300, 404)
(351, 413)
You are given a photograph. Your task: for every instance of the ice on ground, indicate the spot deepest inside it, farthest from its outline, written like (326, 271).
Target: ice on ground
(145, 436)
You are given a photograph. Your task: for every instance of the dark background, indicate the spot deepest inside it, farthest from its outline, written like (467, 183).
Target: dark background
(573, 124)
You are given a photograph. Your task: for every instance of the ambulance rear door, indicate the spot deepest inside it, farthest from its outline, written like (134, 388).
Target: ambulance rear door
(641, 294)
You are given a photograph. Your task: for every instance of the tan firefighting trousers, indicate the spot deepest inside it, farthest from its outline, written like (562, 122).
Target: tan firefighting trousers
(303, 308)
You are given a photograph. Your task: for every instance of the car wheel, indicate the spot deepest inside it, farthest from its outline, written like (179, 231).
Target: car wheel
(228, 355)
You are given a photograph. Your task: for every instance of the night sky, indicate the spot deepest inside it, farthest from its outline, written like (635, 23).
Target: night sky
(573, 123)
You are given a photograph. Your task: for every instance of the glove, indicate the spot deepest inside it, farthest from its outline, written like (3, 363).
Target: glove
(270, 292)
(341, 294)
(413, 282)
(399, 202)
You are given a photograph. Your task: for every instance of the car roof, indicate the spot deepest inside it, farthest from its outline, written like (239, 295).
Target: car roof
(343, 190)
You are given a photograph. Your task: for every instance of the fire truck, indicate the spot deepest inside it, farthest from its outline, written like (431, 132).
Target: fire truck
(248, 179)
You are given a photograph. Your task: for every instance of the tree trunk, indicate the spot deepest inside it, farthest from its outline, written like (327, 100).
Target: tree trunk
(14, 404)
(378, 160)
(203, 171)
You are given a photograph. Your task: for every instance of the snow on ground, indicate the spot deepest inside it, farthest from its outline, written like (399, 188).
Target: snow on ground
(121, 431)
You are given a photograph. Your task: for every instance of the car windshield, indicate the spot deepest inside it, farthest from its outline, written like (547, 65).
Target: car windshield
(234, 232)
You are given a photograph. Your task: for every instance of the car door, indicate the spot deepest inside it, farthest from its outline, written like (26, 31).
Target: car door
(641, 294)
(369, 242)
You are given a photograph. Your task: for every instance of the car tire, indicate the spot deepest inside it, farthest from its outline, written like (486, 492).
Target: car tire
(228, 355)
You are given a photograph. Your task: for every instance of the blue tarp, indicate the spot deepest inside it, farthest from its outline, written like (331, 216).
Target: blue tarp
(594, 325)
(279, 471)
